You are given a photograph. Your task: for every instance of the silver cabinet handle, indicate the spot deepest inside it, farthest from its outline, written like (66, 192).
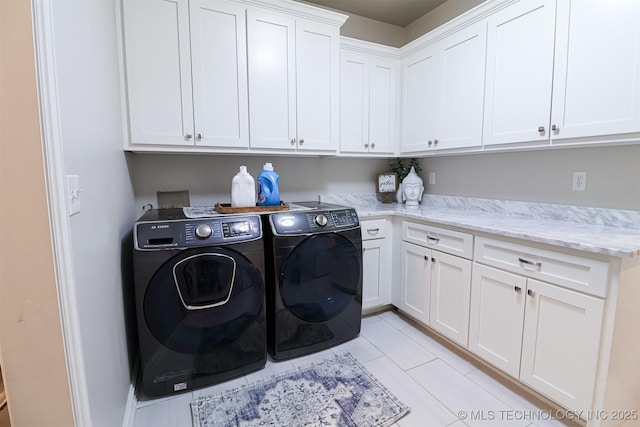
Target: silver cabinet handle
(293, 141)
(372, 230)
(373, 145)
(517, 288)
(433, 260)
(541, 129)
(426, 258)
(435, 240)
(555, 128)
(536, 264)
(531, 292)
(188, 136)
(435, 142)
(199, 136)
(430, 143)
(301, 141)
(366, 145)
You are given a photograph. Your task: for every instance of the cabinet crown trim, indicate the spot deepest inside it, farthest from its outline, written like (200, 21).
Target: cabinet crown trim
(299, 10)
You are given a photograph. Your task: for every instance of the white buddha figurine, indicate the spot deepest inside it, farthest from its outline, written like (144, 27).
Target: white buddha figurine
(412, 189)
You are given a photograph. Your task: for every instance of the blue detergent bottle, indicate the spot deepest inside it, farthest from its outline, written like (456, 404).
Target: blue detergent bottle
(268, 191)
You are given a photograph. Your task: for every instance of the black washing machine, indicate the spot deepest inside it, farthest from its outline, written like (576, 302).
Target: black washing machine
(314, 278)
(200, 299)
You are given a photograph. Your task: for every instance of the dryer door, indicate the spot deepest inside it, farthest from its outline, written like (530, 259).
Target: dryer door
(202, 299)
(321, 276)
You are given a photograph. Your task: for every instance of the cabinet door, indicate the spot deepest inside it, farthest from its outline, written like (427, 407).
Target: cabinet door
(218, 48)
(450, 295)
(497, 317)
(519, 73)
(561, 343)
(414, 284)
(382, 105)
(596, 86)
(158, 72)
(461, 64)
(376, 280)
(317, 86)
(271, 65)
(354, 102)
(420, 88)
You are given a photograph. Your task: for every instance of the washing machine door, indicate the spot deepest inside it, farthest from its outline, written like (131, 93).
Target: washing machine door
(321, 276)
(203, 299)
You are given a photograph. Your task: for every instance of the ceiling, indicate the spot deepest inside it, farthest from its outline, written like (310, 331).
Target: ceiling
(395, 12)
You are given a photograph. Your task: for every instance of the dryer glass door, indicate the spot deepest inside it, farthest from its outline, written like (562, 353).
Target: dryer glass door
(321, 277)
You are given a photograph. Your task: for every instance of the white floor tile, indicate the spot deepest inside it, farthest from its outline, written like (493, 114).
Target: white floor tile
(521, 407)
(174, 412)
(360, 348)
(220, 388)
(471, 403)
(425, 410)
(398, 347)
(396, 320)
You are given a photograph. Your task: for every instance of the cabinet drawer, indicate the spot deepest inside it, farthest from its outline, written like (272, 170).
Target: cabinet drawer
(574, 272)
(449, 241)
(373, 229)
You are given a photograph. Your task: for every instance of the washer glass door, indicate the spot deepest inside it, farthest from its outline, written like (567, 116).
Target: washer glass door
(203, 299)
(321, 277)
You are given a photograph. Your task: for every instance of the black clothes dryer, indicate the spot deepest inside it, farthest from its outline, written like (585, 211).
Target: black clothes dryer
(314, 278)
(200, 299)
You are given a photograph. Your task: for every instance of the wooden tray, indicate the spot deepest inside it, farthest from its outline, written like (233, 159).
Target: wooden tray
(225, 208)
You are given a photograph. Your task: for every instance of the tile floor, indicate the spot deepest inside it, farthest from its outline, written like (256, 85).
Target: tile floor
(437, 383)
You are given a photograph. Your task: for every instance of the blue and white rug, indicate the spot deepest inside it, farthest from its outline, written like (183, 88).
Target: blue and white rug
(337, 391)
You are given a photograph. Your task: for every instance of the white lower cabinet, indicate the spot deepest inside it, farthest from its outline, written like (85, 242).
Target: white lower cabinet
(414, 282)
(435, 286)
(545, 335)
(376, 268)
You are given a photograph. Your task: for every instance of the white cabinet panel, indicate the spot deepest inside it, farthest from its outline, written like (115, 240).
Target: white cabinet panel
(414, 284)
(376, 279)
(561, 344)
(382, 105)
(158, 62)
(450, 295)
(596, 85)
(520, 44)
(497, 317)
(461, 72)
(271, 62)
(420, 89)
(219, 68)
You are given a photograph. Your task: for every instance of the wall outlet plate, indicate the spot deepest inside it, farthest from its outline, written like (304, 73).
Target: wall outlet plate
(579, 181)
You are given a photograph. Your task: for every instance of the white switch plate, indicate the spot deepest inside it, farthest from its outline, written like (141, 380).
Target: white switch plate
(432, 178)
(73, 194)
(579, 181)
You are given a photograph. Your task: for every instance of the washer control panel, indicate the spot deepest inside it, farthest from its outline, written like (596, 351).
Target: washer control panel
(177, 234)
(291, 223)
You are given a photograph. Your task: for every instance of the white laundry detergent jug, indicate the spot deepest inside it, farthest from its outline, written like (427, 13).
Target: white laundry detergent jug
(243, 189)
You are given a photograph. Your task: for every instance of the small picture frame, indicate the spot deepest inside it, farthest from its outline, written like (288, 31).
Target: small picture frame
(387, 186)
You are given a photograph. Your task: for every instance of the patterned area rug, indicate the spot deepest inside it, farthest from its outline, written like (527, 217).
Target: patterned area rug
(337, 391)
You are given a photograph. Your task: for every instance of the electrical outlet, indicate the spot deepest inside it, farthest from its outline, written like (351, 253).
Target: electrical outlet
(579, 181)
(432, 178)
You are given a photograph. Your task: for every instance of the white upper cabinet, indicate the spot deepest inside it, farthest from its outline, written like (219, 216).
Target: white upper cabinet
(293, 83)
(520, 44)
(420, 88)
(186, 73)
(596, 85)
(443, 88)
(367, 103)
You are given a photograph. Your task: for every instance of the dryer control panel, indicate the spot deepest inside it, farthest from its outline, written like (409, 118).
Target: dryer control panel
(312, 222)
(187, 233)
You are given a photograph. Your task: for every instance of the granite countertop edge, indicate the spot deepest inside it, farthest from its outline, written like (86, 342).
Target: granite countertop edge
(593, 238)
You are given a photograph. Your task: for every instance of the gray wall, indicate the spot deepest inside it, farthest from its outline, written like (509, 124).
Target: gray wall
(89, 100)
(438, 16)
(613, 176)
(208, 177)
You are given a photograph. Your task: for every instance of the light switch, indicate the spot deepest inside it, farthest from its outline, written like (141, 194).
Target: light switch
(73, 194)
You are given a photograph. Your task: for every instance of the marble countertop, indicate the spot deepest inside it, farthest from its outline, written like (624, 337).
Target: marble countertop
(601, 231)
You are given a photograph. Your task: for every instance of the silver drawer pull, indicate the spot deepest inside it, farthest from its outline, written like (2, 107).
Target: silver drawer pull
(531, 292)
(372, 230)
(433, 239)
(517, 288)
(536, 264)
(426, 258)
